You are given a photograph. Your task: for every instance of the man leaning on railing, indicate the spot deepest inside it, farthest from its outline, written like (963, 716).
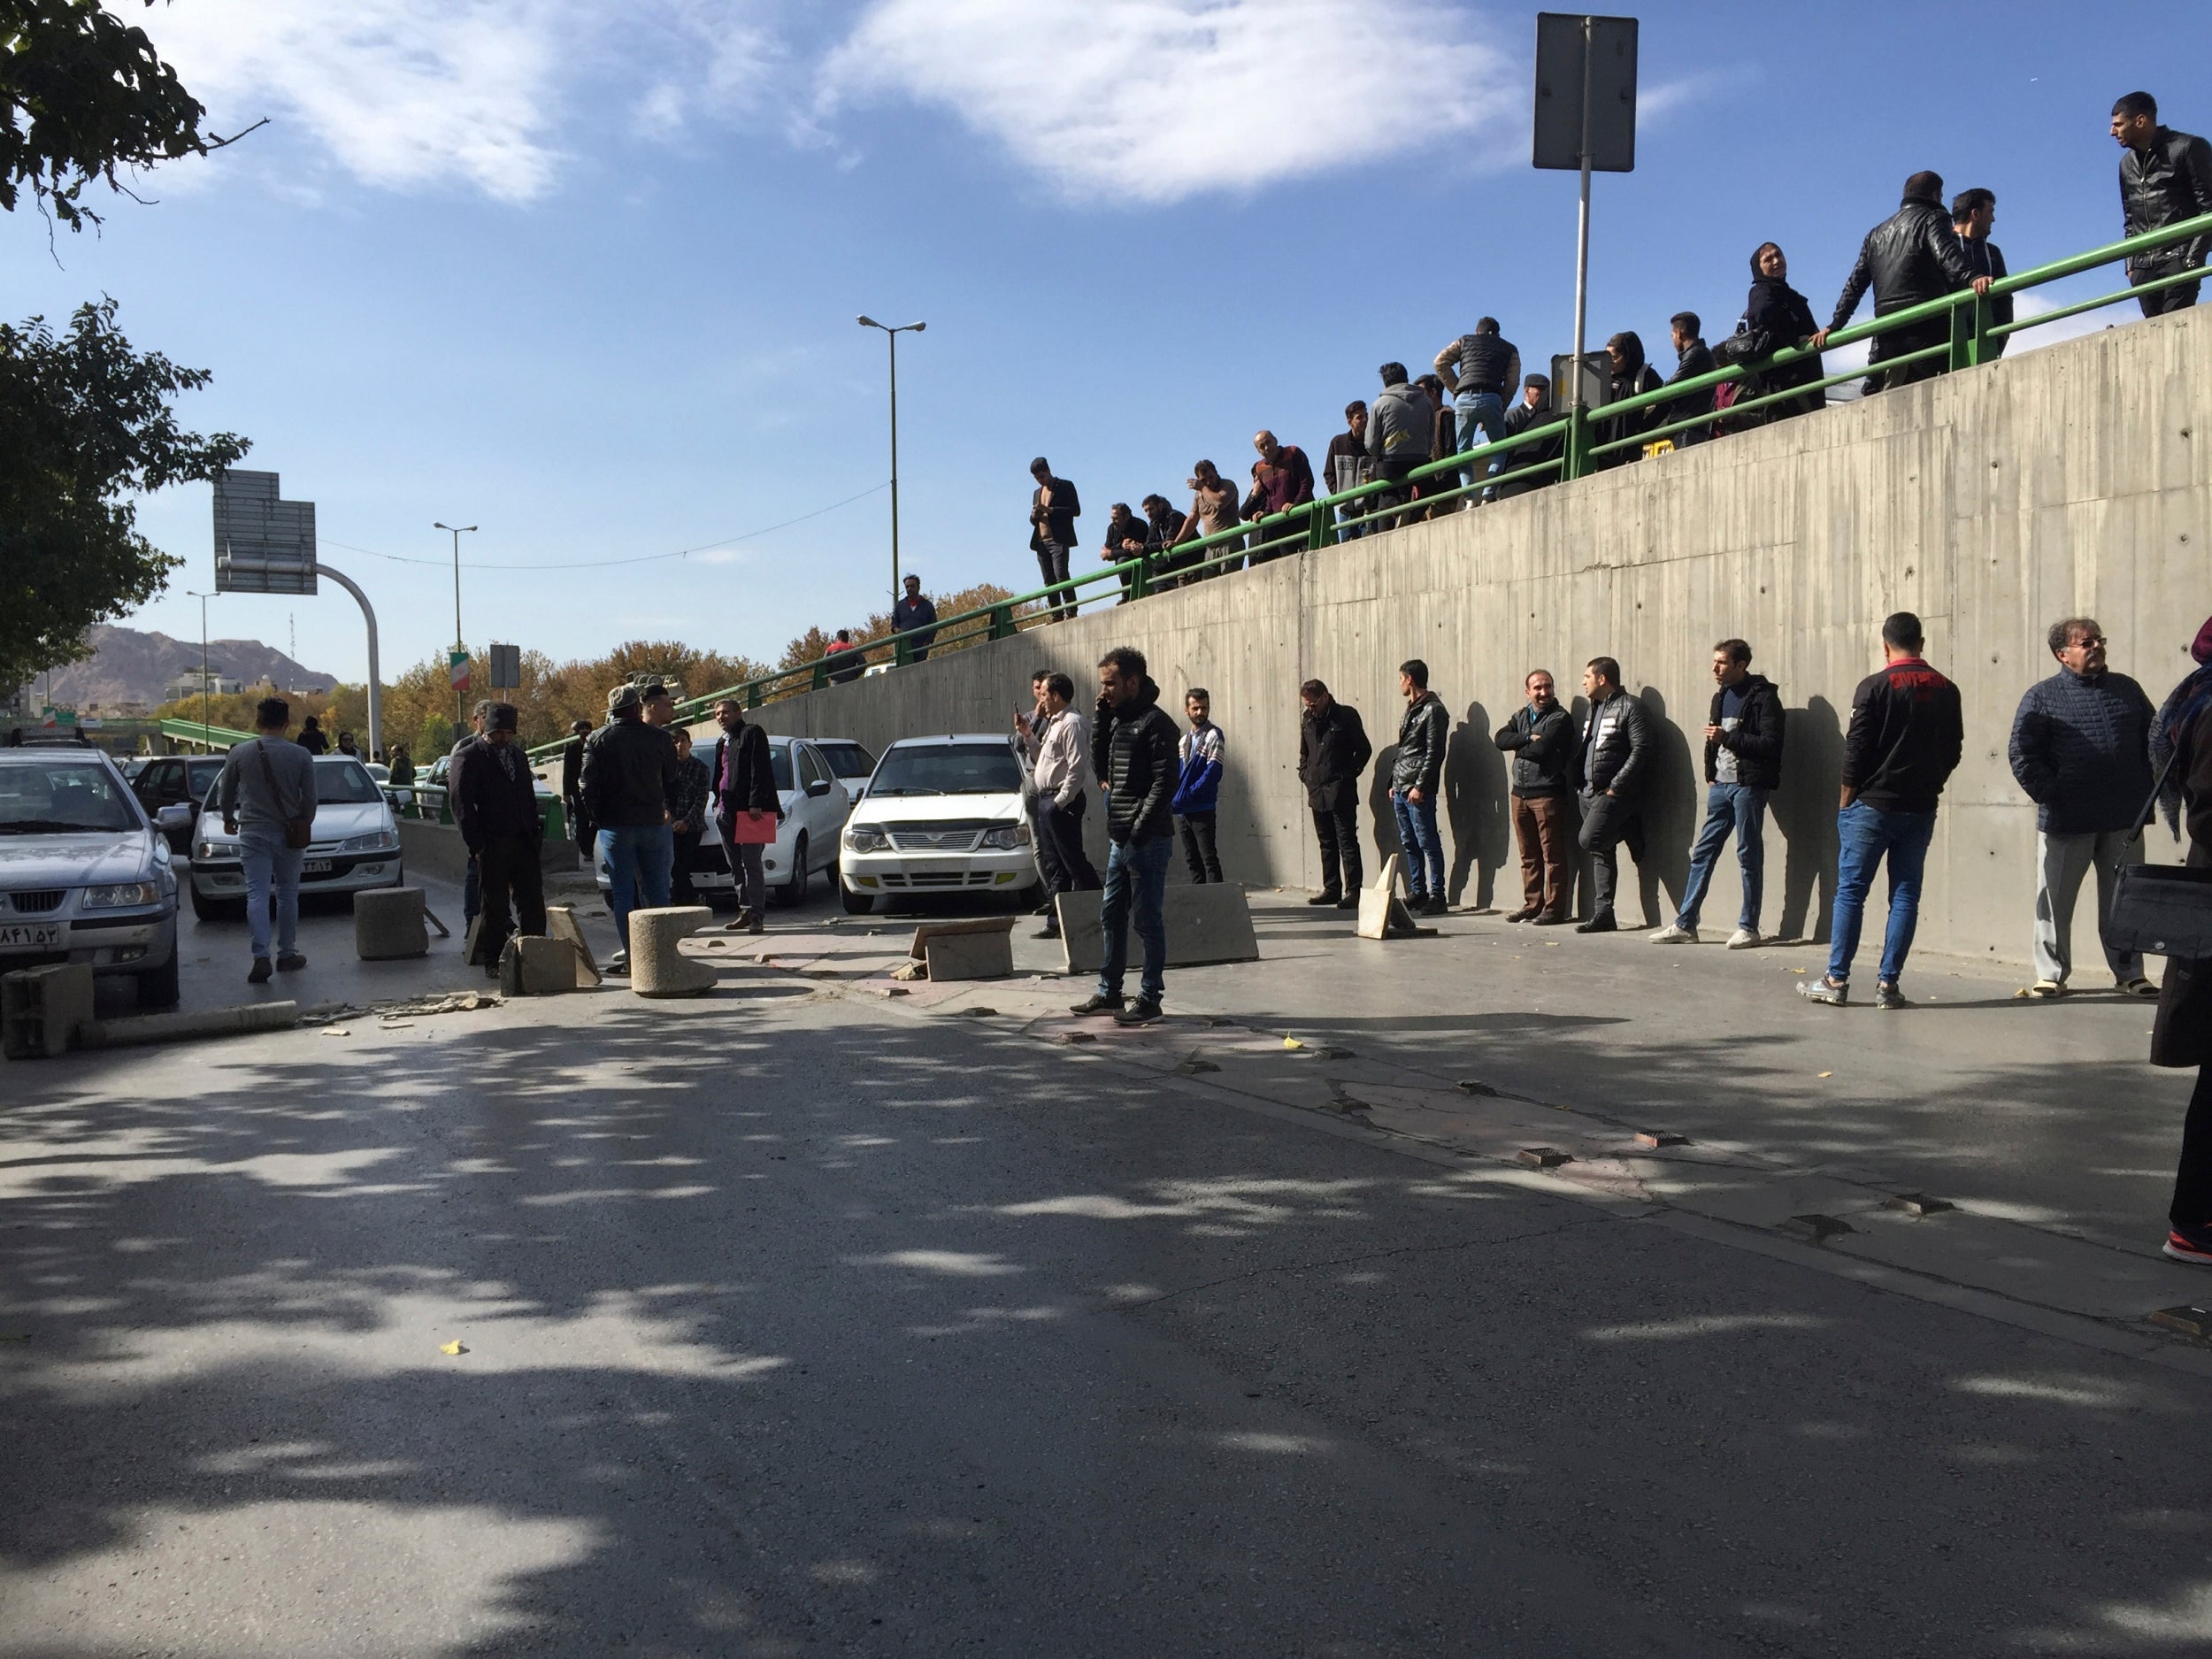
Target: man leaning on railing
(1910, 257)
(2165, 177)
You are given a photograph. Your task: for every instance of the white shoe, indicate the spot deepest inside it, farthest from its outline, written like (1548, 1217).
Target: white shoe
(1674, 934)
(1743, 939)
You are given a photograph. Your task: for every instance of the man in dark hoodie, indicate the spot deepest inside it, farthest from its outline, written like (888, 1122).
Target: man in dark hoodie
(1415, 776)
(1910, 257)
(1743, 766)
(1132, 755)
(1902, 745)
(1627, 375)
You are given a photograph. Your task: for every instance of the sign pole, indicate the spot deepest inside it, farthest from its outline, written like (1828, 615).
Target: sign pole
(376, 681)
(1582, 233)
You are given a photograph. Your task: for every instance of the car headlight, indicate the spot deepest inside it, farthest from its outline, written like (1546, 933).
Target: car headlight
(382, 841)
(1006, 837)
(865, 838)
(116, 898)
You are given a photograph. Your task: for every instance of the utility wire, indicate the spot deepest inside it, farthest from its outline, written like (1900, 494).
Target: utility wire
(644, 558)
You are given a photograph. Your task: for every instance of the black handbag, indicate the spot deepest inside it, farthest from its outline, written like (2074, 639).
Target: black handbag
(2161, 910)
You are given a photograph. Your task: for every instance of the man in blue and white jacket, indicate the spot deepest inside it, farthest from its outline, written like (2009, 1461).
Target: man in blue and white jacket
(1198, 788)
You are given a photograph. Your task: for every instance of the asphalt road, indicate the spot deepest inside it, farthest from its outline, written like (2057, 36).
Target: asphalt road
(795, 1322)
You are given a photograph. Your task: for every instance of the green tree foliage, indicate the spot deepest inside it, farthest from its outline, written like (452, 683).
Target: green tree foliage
(85, 424)
(85, 94)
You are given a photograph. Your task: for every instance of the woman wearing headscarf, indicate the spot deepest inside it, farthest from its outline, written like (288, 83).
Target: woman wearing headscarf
(1628, 374)
(1775, 316)
(2182, 1034)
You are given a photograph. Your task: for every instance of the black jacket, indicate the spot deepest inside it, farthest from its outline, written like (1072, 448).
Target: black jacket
(1055, 523)
(1776, 316)
(1333, 751)
(1912, 256)
(629, 768)
(1616, 747)
(490, 805)
(844, 664)
(1757, 742)
(1635, 376)
(1905, 737)
(1519, 419)
(752, 775)
(1133, 749)
(1693, 360)
(572, 769)
(1986, 259)
(2163, 185)
(1543, 751)
(1421, 738)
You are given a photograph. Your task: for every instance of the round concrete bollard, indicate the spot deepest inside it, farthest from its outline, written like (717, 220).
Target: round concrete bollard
(657, 967)
(388, 923)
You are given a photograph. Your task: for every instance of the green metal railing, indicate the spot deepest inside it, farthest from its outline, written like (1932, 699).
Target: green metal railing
(209, 737)
(1576, 436)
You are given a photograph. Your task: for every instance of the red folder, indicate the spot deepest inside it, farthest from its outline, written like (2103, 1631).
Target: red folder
(747, 831)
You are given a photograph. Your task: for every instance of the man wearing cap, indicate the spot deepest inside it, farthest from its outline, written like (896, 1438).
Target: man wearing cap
(629, 768)
(495, 804)
(1534, 409)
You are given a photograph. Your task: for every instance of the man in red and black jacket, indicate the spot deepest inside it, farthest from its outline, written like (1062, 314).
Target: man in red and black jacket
(1903, 744)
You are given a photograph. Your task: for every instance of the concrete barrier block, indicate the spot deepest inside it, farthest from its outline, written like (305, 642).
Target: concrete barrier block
(657, 968)
(388, 922)
(979, 949)
(1206, 923)
(560, 923)
(42, 1008)
(533, 965)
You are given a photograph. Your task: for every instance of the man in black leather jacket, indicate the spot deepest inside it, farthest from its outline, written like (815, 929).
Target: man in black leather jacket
(1911, 257)
(1134, 755)
(1617, 768)
(2165, 177)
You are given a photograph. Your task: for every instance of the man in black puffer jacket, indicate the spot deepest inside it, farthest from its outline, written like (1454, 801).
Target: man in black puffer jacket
(2165, 177)
(1133, 755)
(1743, 766)
(1910, 257)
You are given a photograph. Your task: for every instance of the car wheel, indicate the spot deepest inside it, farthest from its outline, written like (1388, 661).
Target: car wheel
(158, 986)
(217, 910)
(856, 903)
(793, 891)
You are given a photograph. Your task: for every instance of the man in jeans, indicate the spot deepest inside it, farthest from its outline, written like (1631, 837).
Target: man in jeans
(1062, 754)
(1198, 786)
(1903, 743)
(1416, 776)
(1743, 766)
(1617, 766)
(1348, 466)
(1132, 754)
(629, 768)
(1540, 737)
(1481, 371)
(2081, 750)
(1333, 751)
(267, 783)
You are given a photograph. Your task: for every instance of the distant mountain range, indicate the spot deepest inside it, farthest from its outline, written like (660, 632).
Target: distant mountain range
(128, 666)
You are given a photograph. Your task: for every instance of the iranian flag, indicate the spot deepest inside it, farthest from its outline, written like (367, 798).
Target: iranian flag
(459, 661)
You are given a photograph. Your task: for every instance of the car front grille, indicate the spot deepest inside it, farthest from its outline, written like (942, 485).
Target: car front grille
(37, 901)
(945, 878)
(920, 840)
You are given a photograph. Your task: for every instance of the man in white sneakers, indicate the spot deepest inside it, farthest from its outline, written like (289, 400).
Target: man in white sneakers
(1743, 766)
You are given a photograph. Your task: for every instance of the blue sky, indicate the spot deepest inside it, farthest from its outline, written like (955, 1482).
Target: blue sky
(585, 275)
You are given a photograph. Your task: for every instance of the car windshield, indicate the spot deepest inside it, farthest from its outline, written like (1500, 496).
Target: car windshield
(45, 800)
(847, 760)
(344, 783)
(948, 769)
(779, 764)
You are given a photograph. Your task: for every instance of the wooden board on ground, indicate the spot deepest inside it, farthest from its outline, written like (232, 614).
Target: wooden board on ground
(1382, 914)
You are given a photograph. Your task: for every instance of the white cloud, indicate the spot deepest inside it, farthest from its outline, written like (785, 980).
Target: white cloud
(1156, 100)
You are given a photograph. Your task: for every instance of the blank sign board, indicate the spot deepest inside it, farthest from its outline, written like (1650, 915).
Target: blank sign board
(1562, 38)
(263, 545)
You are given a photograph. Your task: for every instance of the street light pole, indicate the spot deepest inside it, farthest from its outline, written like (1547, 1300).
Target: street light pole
(195, 593)
(459, 717)
(892, 334)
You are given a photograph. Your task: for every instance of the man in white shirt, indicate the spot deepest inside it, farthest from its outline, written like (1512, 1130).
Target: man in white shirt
(1064, 751)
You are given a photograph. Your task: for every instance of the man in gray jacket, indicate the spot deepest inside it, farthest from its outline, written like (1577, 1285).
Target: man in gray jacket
(2081, 750)
(267, 784)
(1415, 776)
(1401, 427)
(1615, 768)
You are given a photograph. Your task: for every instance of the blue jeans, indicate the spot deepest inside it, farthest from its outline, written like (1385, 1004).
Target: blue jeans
(638, 858)
(1483, 411)
(1739, 806)
(1137, 868)
(1867, 837)
(1423, 847)
(268, 862)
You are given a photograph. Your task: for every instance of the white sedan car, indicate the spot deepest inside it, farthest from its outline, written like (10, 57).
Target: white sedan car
(814, 810)
(940, 815)
(356, 844)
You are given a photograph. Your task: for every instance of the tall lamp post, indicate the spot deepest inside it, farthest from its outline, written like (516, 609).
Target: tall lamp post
(460, 718)
(892, 334)
(195, 593)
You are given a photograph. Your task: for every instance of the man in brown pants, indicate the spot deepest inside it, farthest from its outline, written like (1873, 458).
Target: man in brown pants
(1540, 737)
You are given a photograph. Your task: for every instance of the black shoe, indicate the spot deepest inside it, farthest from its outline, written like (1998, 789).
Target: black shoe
(1351, 903)
(1328, 896)
(258, 974)
(1603, 924)
(1046, 933)
(1547, 920)
(1527, 913)
(290, 962)
(1097, 1005)
(1436, 906)
(1143, 1011)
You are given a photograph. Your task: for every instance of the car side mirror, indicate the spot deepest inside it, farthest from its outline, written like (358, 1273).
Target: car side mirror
(171, 819)
(819, 787)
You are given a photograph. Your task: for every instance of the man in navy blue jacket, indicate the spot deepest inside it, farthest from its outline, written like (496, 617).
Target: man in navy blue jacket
(1198, 788)
(2081, 750)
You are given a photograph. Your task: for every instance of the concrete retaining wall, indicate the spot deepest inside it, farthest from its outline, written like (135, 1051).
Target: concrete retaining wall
(2074, 479)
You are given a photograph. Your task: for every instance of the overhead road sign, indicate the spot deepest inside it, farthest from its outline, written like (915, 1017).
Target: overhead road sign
(263, 544)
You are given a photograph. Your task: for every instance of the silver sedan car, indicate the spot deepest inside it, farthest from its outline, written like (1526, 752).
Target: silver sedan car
(85, 874)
